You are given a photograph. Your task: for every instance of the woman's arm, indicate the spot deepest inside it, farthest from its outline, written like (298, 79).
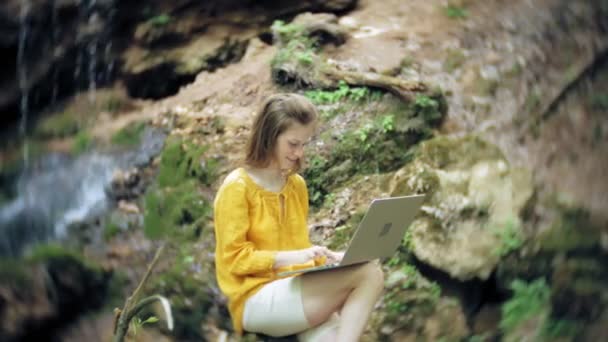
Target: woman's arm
(231, 222)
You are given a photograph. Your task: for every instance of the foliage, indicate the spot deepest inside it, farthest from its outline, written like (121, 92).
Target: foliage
(343, 92)
(57, 126)
(177, 212)
(82, 142)
(160, 20)
(381, 144)
(129, 135)
(455, 12)
(287, 32)
(510, 237)
(182, 160)
(529, 300)
(110, 230)
(294, 45)
(174, 206)
(560, 328)
(137, 323)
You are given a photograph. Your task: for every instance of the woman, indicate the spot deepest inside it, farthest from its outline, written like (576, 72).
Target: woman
(260, 218)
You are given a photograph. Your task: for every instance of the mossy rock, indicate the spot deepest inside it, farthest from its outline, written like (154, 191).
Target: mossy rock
(57, 126)
(377, 143)
(129, 135)
(471, 191)
(446, 153)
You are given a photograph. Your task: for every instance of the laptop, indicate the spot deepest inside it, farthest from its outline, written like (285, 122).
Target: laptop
(379, 233)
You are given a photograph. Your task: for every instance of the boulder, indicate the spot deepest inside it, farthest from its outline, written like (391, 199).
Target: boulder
(471, 217)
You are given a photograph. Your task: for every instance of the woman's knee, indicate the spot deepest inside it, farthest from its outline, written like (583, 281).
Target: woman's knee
(372, 274)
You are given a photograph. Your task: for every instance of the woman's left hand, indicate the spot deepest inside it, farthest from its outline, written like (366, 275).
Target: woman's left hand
(334, 257)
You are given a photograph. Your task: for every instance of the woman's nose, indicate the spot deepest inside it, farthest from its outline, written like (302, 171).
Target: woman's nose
(299, 151)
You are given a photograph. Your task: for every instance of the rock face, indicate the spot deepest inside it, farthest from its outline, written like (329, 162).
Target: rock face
(40, 297)
(471, 217)
(52, 48)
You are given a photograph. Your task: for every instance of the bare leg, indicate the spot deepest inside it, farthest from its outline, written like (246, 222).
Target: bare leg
(354, 290)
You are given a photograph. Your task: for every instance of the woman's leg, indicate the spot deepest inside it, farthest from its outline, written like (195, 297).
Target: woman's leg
(353, 290)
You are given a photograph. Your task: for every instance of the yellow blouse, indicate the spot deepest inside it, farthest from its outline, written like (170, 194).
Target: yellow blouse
(251, 225)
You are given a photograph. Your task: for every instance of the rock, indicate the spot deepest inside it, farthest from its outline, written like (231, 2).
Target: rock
(43, 294)
(472, 192)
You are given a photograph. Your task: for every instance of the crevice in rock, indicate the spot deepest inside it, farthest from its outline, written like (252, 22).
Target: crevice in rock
(473, 294)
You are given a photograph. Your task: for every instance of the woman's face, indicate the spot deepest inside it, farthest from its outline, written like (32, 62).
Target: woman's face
(289, 149)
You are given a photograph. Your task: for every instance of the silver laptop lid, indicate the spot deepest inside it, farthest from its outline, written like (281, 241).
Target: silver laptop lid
(382, 228)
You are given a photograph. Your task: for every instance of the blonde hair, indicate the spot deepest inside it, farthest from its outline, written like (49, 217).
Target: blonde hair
(276, 115)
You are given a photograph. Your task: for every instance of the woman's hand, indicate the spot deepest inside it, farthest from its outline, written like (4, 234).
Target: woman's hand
(305, 255)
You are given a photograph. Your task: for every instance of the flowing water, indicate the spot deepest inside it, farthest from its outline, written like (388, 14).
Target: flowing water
(58, 191)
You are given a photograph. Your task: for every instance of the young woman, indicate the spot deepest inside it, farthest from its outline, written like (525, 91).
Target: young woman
(260, 216)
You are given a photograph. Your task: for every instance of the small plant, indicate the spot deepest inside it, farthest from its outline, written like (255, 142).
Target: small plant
(160, 20)
(411, 276)
(455, 12)
(57, 126)
(110, 231)
(387, 123)
(82, 142)
(305, 57)
(407, 242)
(286, 32)
(137, 323)
(344, 91)
(129, 135)
(529, 300)
(510, 237)
(427, 107)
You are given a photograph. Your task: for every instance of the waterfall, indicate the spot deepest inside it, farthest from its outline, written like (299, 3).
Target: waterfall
(59, 191)
(22, 76)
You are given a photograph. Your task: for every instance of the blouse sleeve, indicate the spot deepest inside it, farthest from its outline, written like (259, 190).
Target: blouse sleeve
(231, 218)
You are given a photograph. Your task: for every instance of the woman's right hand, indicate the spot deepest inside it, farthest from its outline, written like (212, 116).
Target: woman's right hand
(301, 256)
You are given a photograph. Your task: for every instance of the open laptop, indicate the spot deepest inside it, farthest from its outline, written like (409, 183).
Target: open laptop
(379, 233)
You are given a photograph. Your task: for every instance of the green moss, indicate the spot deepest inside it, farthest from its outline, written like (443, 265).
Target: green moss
(178, 212)
(12, 271)
(82, 142)
(160, 20)
(510, 237)
(57, 126)
(529, 300)
(110, 230)
(344, 91)
(572, 230)
(381, 144)
(455, 12)
(442, 152)
(129, 135)
(182, 160)
(287, 32)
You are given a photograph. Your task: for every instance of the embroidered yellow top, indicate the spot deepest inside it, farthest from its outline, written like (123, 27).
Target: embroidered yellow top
(251, 225)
